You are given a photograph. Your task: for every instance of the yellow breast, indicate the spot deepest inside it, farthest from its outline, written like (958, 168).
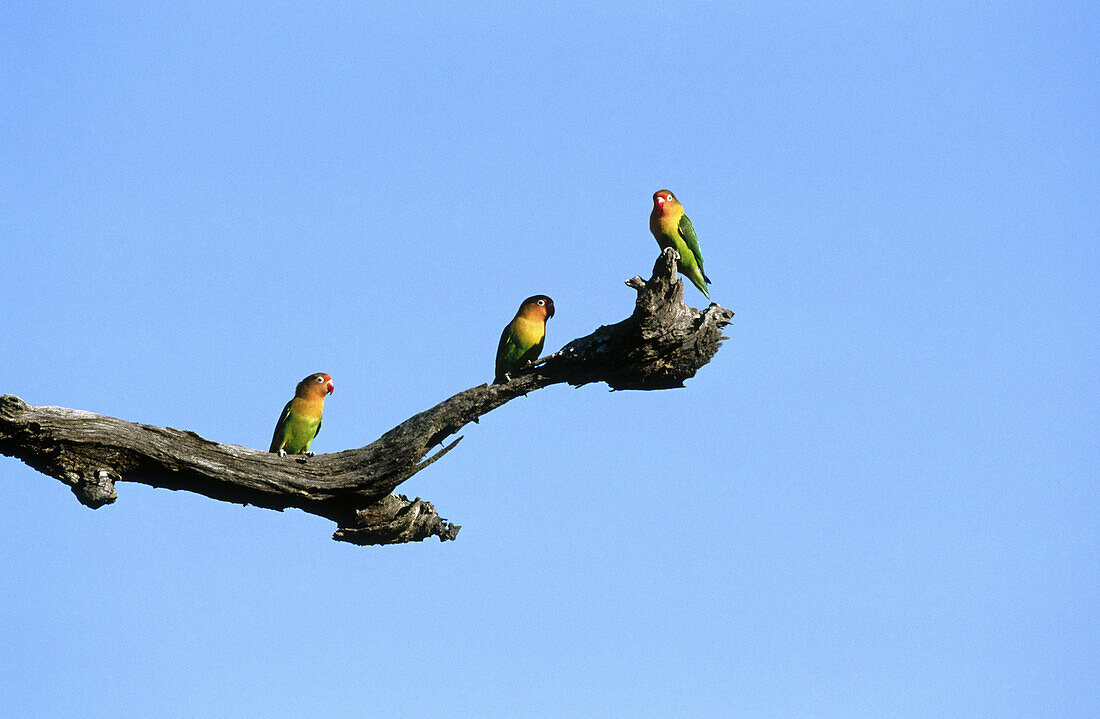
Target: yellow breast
(528, 332)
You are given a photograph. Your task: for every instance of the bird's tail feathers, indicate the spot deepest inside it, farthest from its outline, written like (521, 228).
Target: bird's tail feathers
(700, 280)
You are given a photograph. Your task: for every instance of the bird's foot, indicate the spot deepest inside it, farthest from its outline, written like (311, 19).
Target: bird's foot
(310, 454)
(282, 452)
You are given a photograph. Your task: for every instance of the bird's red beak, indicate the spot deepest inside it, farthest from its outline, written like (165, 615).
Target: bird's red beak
(660, 201)
(330, 386)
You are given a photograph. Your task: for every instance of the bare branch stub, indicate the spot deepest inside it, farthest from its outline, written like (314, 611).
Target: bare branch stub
(660, 345)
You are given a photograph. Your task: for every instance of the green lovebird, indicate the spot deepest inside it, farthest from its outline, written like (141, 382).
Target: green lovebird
(521, 341)
(672, 228)
(301, 418)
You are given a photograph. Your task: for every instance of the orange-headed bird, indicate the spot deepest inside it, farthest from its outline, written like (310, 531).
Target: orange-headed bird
(522, 340)
(672, 228)
(301, 418)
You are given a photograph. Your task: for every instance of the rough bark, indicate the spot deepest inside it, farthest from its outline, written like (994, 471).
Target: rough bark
(660, 345)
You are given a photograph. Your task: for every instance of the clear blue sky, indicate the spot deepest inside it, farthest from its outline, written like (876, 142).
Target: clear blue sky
(880, 499)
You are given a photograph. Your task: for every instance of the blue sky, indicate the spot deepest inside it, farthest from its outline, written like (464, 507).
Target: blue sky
(880, 498)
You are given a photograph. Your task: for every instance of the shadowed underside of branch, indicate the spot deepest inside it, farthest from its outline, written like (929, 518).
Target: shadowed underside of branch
(663, 343)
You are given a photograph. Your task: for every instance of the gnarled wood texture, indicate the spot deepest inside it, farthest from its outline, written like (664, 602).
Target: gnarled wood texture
(660, 345)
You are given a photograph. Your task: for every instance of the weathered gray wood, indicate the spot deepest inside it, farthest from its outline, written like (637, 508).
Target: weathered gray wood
(660, 345)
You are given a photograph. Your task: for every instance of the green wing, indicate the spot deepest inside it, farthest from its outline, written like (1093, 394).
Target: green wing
(506, 351)
(280, 428)
(688, 233)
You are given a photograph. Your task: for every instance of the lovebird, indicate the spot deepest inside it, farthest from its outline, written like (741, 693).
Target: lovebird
(521, 341)
(672, 228)
(301, 418)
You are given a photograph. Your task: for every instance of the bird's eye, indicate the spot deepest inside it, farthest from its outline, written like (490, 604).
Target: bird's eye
(542, 302)
(320, 379)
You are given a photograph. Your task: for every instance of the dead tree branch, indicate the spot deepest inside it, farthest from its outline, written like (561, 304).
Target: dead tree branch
(660, 345)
